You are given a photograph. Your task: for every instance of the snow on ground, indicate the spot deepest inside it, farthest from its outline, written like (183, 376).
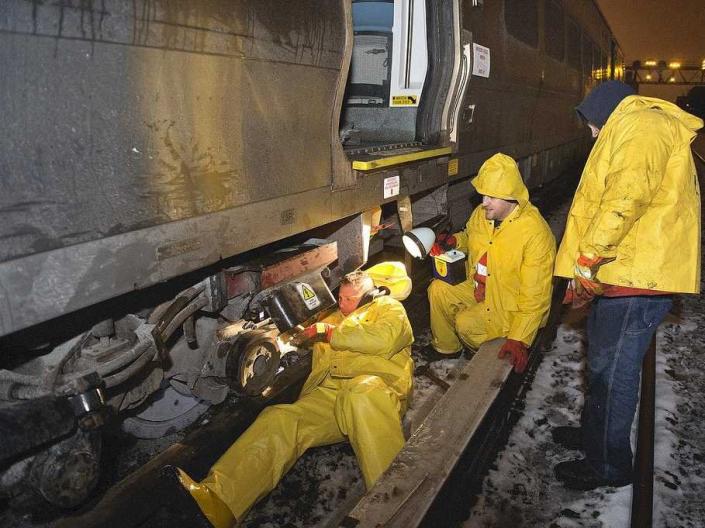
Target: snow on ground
(522, 491)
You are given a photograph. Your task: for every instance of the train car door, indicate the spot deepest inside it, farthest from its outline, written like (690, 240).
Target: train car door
(405, 74)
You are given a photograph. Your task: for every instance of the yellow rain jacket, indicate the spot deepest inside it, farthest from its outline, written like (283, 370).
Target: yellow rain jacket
(520, 257)
(357, 391)
(638, 201)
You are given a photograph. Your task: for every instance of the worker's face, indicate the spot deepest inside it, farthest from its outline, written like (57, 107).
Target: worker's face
(594, 130)
(497, 208)
(348, 299)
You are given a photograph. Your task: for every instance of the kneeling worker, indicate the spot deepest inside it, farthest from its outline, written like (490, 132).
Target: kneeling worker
(510, 251)
(357, 391)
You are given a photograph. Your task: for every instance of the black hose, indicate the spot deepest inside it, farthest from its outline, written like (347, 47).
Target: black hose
(134, 368)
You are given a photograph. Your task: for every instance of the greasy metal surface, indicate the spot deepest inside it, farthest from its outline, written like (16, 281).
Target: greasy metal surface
(27, 424)
(143, 498)
(158, 112)
(42, 286)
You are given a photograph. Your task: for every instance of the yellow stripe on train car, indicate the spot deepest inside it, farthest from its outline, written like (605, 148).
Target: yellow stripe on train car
(379, 163)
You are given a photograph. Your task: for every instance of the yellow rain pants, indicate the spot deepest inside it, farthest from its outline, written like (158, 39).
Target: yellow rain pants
(363, 410)
(357, 391)
(457, 319)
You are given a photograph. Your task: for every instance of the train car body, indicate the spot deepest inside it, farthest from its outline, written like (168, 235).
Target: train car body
(152, 148)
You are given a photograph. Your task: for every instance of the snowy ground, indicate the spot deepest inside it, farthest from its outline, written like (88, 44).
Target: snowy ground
(522, 491)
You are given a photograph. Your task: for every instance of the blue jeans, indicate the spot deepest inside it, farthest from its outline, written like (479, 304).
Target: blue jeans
(619, 332)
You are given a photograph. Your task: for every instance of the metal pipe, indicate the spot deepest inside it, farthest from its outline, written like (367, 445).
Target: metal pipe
(643, 487)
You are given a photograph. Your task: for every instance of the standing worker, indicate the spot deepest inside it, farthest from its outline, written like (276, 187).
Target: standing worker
(511, 252)
(632, 239)
(359, 385)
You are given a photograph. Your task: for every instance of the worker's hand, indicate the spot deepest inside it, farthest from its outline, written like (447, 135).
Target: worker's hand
(444, 242)
(585, 272)
(517, 352)
(576, 295)
(320, 331)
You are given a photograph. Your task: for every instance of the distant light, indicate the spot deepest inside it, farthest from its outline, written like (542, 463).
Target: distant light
(650, 63)
(672, 79)
(674, 65)
(648, 76)
(702, 66)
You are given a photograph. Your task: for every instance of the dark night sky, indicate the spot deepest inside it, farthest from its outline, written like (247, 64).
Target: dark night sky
(659, 29)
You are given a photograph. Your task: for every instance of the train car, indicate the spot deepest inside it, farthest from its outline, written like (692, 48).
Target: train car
(183, 183)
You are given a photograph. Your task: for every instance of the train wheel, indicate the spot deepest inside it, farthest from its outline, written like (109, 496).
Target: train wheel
(253, 363)
(166, 412)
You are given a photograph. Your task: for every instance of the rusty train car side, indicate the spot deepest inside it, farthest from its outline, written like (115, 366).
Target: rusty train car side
(155, 153)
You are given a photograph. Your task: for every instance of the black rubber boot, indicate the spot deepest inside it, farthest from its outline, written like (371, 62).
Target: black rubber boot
(430, 354)
(568, 436)
(579, 475)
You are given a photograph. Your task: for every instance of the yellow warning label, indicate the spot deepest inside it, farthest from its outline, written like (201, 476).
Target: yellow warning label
(309, 296)
(453, 167)
(307, 293)
(405, 100)
(441, 267)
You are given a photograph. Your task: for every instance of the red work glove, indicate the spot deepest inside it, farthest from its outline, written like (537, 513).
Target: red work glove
(517, 351)
(586, 274)
(480, 292)
(321, 331)
(577, 296)
(443, 243)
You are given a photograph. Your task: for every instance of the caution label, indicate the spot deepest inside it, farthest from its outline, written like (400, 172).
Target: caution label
(453, 167)
(441, 267)
(309, 296)
(405, 100)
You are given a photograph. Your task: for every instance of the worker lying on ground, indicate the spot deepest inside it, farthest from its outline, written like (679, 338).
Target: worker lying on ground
(357, 391)
(510, 252)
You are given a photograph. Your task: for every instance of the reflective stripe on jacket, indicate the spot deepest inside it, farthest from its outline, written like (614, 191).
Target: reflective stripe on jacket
(520, 253)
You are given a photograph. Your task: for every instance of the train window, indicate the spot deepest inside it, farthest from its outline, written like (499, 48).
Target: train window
(573, 48)
(554, 32)
(522, 20)
(587, 56)
(368, 81)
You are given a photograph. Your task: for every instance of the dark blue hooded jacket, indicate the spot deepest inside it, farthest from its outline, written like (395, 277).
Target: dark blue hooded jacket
(602, 100)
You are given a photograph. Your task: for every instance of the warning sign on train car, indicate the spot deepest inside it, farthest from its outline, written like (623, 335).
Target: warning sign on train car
(405, 100)
(308, 296)
(453, 167)
(480, 60)
(391, 186)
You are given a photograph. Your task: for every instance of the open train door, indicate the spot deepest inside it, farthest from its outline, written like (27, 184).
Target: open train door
(407, 76)
(450, 53)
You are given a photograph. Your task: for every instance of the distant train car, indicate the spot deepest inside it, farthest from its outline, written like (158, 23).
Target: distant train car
(185, 182)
